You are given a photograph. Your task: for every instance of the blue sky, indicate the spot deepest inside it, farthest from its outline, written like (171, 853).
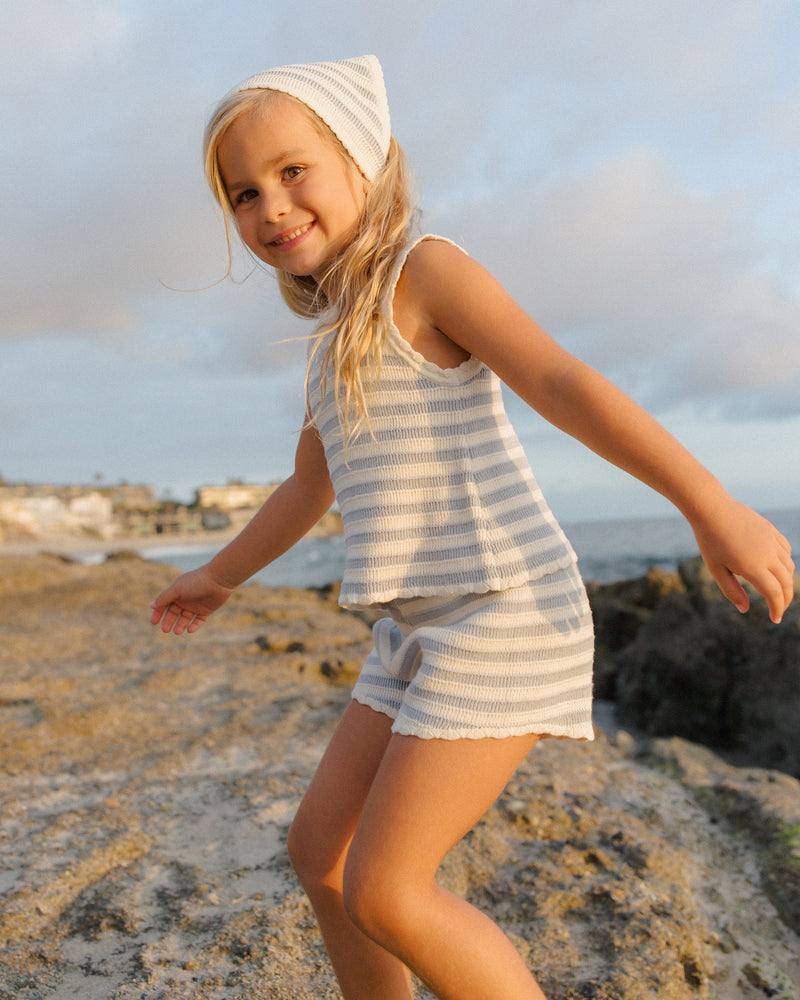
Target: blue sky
(627, 169)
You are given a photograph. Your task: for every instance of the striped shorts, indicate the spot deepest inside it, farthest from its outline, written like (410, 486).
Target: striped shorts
(504, 663)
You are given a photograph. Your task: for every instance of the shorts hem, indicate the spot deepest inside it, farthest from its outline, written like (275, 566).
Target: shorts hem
(404, 727)
(374, 704)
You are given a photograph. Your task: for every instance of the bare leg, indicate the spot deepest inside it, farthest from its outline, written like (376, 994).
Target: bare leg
(318, 844)
(425, 796)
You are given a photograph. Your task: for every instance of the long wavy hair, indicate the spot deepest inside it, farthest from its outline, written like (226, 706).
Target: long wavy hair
(353, 300)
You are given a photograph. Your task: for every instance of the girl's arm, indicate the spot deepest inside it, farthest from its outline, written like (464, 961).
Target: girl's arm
(288, 513)
(456, 296)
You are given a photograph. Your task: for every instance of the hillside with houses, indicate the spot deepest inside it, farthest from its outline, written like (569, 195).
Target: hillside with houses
(42, 512)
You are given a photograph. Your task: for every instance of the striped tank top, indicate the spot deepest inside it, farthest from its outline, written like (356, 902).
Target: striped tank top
(438, 498)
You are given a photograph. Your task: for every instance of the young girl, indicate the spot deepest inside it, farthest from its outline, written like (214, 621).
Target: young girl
(486, 646)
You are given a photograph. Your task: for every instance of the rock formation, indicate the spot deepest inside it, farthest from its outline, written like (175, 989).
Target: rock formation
(147, 783)
(678, 659)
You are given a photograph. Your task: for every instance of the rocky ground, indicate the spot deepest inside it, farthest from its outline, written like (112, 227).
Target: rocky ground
(147, 783)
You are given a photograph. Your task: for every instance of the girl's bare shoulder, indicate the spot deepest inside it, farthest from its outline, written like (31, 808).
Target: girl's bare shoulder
(440, 270)
(415, 302)
(468, 307)
(434, 256)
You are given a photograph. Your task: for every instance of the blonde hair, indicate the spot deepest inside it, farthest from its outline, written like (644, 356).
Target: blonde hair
(353, 299)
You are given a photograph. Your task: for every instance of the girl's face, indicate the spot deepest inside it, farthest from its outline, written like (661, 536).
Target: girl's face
(296, 200)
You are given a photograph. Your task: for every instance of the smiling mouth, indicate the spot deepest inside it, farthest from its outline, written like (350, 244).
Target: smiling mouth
(293, 235)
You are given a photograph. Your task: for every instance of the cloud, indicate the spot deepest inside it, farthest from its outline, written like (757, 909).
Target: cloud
(657, 284)
(108, 124)
(626, 169)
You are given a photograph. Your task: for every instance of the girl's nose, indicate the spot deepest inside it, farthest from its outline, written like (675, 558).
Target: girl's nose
(275, 204)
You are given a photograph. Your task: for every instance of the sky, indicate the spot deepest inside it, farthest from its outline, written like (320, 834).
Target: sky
(628, 170)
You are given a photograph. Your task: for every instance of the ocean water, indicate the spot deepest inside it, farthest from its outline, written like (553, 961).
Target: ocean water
(608, 551)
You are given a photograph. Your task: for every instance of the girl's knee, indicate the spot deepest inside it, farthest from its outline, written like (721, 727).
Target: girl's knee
(297, 847)
(366, 906)
(378, 903)
(311, 857)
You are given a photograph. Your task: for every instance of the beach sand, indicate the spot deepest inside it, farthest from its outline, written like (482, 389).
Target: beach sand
(148, 782)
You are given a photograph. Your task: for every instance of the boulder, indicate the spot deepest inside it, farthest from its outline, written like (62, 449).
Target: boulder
(682, 661)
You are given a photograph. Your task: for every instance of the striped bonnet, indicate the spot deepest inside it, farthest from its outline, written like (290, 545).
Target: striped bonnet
(349, 95)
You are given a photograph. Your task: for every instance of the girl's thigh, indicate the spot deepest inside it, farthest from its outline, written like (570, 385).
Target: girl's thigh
(426, 795)
(332, 805)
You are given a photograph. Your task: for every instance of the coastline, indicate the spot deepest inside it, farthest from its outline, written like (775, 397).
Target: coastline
(609, 549)
(79, 547)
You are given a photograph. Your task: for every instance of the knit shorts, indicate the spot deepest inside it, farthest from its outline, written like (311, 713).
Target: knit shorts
(498, 664)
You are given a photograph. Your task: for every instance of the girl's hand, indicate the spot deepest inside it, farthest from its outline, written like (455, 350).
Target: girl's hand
(186, 604)
(738, 542)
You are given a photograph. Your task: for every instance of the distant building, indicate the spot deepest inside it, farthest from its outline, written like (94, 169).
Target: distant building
(235, 496)
(47, 513)
(37, 512)
(141, 497)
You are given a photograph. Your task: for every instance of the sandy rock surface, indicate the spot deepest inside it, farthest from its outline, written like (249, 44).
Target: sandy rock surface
(147, 783)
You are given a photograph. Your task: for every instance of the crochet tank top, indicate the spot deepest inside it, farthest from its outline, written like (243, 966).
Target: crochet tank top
(439, 497)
